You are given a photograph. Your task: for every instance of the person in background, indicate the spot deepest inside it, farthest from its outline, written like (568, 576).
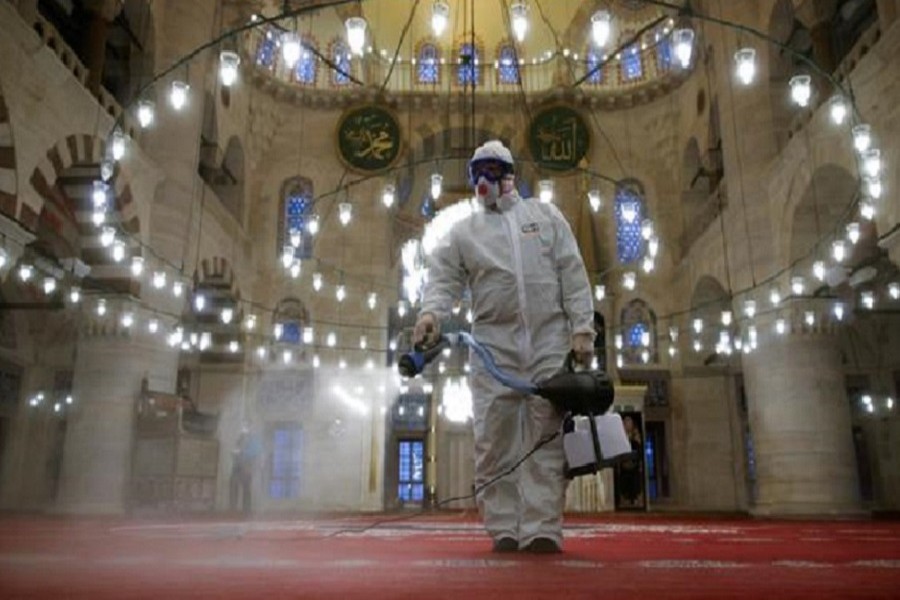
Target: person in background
(244, 457)
(532, 304)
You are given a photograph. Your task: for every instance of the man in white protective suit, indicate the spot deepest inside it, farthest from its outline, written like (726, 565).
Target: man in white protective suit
(532, 304)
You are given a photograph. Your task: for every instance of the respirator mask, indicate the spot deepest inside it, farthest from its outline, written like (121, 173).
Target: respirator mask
(492, 179)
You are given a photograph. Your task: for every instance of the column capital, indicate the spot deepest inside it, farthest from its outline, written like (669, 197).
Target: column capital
(14, 239)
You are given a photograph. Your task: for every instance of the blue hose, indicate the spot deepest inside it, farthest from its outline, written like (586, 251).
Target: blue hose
(514, 383)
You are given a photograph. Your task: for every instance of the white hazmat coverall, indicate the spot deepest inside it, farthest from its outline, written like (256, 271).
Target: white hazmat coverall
(530, 294)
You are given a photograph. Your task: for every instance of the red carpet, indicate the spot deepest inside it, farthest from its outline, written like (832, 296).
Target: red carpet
(446, 556)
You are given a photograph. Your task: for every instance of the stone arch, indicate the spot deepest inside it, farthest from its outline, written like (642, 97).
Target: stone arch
(63, 180)
(215, 280)
(635, 318)
(292, 315)
(8, 176)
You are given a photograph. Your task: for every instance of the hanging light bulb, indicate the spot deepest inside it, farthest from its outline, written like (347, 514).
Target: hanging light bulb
(809, 317)
(317, 281)
(278, 330)
(780, 326)
(316, 362)
(199, 302)
(601, 27)
(308, 335)
(295, 269)
(25, 272)
(49, 285)
(153, 325)
(653, 246)
(629, 280)
(839, 250)
(99, 194)
(726, 318)
(871, 161)
(745, 65)
(107, 236)
(178, 94)
(356, 34)
(127, 320)
(234, 346)
(387, 195)
(101, 307)
(363, 342)
(629, 211)
(518, 13)
(107, 168)
(75, 295)
(752, 334)
(697, 325)
(801, 89)
(226, 315)
(673, 333)
(287, 256)
(296, 237)
(331, 339)
(819, 270)
(853, 232)
(619, 341)
(797, 285)
(177, 288)
(345, 213)
(873, 186)
(599, 292)
(98, 218)
(646, 229)
(401, 308)
(437, 183)
(145, 110)
(228, 67)
(287, 356)
(866, 209)
(838, 310)
(250, 322)
(894, 290)
(117, 144)
(595, 200)
(373, 300)
(647, 264)
(698, 346)
(340, 293)
(862, 137)
(290, 48)
(837, 108)
(313, 225)
(683, 44)
(868, 299)
(118, 250)
(645, 338)
(750, 308)
(440, 15)
(159, 279)
(137, 265)
(546, 190)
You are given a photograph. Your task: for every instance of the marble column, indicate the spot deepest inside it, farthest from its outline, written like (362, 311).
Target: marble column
(800, 422)
(110, 364)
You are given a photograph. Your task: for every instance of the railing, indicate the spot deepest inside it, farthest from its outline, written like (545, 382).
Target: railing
(53, 40)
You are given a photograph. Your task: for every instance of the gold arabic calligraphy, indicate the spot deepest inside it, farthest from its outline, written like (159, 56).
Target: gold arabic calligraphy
(371, 142)
(559, 142)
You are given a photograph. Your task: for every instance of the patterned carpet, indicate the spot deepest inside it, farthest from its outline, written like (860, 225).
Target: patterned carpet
(445, 556)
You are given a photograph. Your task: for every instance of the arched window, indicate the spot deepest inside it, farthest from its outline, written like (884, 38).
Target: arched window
(638, 330)
(307, 67)
(428, 68)
(663, 42)
(629, 214)
(468, 71)
(296, 208)
(340, 56)
(593, 70)
(507, 65)
(265, 52)
(631, 63)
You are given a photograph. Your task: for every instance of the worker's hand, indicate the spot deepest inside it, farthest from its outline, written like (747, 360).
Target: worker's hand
(427, 330)
(583, 348)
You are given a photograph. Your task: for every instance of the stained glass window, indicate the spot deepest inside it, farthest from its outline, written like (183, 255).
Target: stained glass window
(629, 214)
(663, 51)
(297, 208)
(306, 68)
(507, 65)
(468, 71)
(290, 332)
(287, 462)
(592, 67)
(631, 63)
(411, 480)
(428, 64)
(340, 56)
(637, 320)
(265, 53)
(635, 333)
